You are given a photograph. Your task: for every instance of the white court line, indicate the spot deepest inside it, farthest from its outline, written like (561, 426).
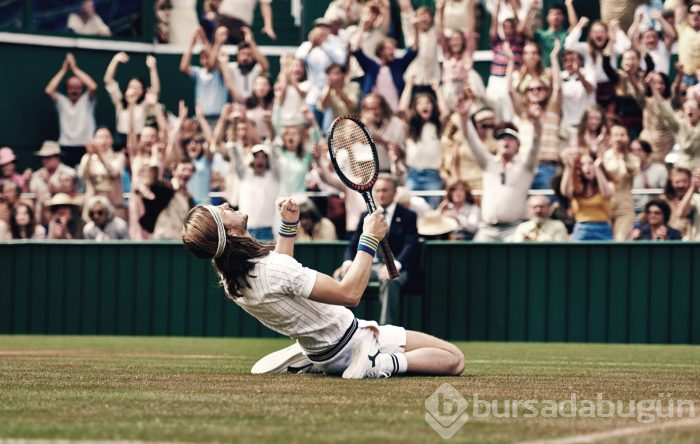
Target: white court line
(604, 363)
(82, 441)
(627, 431)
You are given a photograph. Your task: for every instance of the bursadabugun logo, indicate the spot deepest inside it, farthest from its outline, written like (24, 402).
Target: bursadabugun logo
(446, 411)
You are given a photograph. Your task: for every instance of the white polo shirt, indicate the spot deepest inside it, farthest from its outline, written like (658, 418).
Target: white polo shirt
(278, 297)
(76, 121)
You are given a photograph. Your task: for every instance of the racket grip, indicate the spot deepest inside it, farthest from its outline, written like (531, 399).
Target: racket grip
(389, 259)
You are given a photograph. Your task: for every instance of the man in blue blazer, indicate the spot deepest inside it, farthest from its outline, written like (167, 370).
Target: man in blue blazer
(403, 240)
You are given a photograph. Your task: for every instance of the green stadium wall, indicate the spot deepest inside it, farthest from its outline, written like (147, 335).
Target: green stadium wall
(585, 292)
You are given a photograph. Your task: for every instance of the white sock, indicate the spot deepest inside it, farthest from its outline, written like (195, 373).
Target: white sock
(394, 363)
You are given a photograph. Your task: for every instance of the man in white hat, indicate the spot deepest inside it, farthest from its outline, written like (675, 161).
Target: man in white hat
(45, 181)
(76, 109)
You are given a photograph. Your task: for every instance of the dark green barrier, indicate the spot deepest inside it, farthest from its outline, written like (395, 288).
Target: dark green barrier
(602, 292)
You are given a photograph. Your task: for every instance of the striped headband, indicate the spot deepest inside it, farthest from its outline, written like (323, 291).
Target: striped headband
(221, 230)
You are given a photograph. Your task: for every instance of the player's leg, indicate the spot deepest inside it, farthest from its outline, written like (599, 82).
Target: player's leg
(290, 359)
(426, 354)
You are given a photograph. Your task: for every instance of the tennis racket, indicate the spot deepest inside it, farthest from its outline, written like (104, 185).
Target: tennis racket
(354, 158)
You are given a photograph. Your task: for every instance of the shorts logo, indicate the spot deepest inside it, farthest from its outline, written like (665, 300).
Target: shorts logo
(446, 411)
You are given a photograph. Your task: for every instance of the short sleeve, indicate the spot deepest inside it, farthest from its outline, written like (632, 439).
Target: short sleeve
(288, 276)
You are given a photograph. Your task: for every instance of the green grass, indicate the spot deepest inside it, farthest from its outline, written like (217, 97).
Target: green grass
(199, 390)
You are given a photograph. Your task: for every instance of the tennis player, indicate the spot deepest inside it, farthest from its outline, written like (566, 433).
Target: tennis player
(308, 306)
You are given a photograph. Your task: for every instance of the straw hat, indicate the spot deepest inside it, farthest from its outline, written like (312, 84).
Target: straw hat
(6, 155)
(434, 223)
(61, 199)
(49, 148)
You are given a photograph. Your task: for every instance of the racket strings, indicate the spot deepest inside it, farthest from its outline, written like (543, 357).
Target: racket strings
(353, 152)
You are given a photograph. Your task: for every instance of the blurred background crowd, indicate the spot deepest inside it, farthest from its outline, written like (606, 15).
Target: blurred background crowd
(578, 130)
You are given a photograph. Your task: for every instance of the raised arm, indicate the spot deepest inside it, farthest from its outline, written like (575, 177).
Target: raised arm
(515, 97)
(493, 28)
(524, 27)
(88, 81)
(186, 60)
(52, 86)
(153, 73)
(443, 108)
(554, 96)
(259, 56)
(120, 57)
(670, 34)
(221, 63)
(406, 95)
(571, 13)
(606, 187)
(266, 13)
(566, 187)
(572, 39)
(684, 206)
(475, 143)
(289, 212)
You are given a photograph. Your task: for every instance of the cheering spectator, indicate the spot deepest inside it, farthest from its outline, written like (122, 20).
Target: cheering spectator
(314, 227)
(23, 223)
(602, 39)
(103, 225)
(179, 202)
(236, 15)
(555, 31)
(424, 69)
(460, 205)
(657, 213)
(384, 76)
(87, 22)
(651, 174)
(688, 28)
(585, 184)
(76, 109)
(656, 129)
(630, 92)
(459, 16)
(249, 64)
(386, 129)
(45, 181)
(65, 221)
(290, 92)
(621, 166)
(339, 95)
(689, 208)
(295, 156)
(209, 88)
(425, 121)
(130, 105)
(375, 21)
(685, 128)
(532, 68)
(648, 40)
(577, 91)
(540, 227)
(507, 177)
(593, 132)
(100, 169)
(678, 188)
(259, 107)
(8, 200)
(7, 169)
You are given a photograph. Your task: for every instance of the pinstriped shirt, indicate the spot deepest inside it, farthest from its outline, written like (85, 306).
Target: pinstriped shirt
(278, 297)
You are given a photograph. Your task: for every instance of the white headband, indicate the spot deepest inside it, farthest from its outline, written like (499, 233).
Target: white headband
(221, 230)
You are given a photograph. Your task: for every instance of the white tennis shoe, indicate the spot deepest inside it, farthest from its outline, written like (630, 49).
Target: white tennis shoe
(290, 359)
(363, 364)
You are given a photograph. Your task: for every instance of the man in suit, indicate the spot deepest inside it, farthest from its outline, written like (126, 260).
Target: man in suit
(403, 240)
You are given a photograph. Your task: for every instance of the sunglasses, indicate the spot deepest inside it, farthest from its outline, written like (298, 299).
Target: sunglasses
(96, 213)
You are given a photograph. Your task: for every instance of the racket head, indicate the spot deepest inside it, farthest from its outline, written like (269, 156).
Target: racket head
(353, 153)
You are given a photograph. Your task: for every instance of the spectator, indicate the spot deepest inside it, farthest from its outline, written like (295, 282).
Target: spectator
(532, 68)
(198, 153)
(497, 88)
(504, 10)
(648, 40)
(104, 225)
(555, 31)
(249, 64)
(403, 241)
(183, 21)
(585, 183)
(459, 204)
(384, 76)
(540, 227)
(656, 227)
(593, 131)
(179, 202)
(290, 91)
(577, 91)
(23, 223)
(602, 39)
(375, 15)
(209, 88)
(45, 181)
(5, 232)
(8, 200)
(621, 166)
(314, 227)
(87, 22)
(688, 29)
(425, 121)
(259, 107)
(7, 169)
(76, 109)
(656, 129)
(387, 130)
(339, 95)
(507, 177)
(424, 69)
(689, 208)
(459, 16)
(630, 92)
(685, 128)
(259, 188)
(100, 169)
(65, 221)
(132, 101)
(295, 156)
(238, 14)
(457, 64)
(678, 188)
(651, 174)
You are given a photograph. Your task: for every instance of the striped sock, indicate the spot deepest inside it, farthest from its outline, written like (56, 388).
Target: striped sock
(394, 363)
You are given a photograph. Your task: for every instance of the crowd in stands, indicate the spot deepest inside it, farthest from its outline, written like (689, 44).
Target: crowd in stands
(549, 148)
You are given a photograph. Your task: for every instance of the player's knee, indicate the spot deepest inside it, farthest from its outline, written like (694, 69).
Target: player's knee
(457, 362)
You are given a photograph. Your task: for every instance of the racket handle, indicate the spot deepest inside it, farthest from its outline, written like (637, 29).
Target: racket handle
(389, 260)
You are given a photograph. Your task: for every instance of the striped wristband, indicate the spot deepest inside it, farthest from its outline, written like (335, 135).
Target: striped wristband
(368, 244)
(289, 229)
